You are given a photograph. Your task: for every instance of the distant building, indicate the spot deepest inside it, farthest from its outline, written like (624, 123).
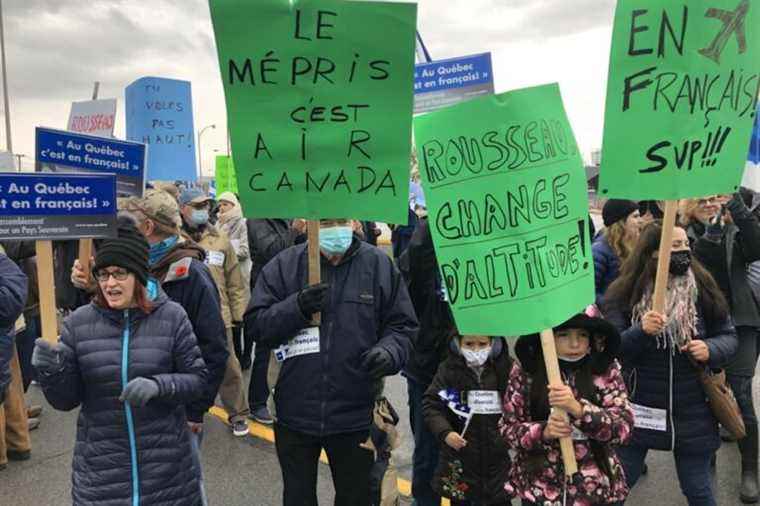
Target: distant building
(596, 157)
(592, 180)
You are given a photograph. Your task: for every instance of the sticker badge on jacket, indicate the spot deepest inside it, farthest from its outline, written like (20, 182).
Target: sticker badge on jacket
(484, 402)
(649, 418)
(215, 258)
(306, 342)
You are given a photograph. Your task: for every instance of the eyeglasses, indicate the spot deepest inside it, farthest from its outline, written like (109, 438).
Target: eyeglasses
(119, 275)
(704, 202)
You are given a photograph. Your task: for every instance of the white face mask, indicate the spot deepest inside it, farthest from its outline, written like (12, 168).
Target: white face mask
(476, 358)
(572, 360)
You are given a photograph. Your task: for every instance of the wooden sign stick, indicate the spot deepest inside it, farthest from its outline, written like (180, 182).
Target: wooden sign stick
(85, 254)
(46, 285)
(663, 258)
(315, 274)
(555, 378)
(85, 245)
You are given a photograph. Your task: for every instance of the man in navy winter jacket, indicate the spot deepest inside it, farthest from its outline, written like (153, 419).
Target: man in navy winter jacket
(13, 286)
(331, 374)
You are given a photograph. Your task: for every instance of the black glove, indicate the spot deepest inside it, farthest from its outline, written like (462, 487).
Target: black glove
(139, 391)
(313, 299)
(377, 362)
(237, 332)
(738, 208)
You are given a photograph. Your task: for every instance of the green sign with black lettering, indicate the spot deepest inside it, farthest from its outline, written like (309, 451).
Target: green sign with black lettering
(681, 98)
(319, 99)
(508, 211)
(225, 175)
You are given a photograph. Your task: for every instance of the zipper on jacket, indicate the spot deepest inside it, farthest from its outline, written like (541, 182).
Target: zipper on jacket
(324, 377)
(670, 405)
(324, 344)
(128, 411)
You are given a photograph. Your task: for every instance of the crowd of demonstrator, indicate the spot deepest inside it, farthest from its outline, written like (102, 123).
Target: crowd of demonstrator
(190, 294)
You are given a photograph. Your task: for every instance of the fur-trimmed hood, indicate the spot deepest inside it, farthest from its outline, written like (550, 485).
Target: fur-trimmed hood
(605, 341)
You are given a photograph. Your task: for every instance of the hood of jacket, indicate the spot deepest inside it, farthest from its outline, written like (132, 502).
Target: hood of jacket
(605, 343)
(185, 249)
(498, 346)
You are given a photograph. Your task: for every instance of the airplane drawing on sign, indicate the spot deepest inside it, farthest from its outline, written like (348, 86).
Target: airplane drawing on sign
(733, 23)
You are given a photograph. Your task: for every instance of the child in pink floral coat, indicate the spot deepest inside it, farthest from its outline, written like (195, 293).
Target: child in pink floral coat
(600, 417)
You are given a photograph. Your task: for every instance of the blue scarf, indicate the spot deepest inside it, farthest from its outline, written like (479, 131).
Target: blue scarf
(160, 249)
(152, 289)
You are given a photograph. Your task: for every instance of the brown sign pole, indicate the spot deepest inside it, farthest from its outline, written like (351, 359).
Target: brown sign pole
(315, 274)
(46, 285)
(663, 258)
(555, 378)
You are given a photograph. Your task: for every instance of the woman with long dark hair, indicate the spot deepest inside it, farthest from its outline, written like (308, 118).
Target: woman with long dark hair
(661, 354)
(600, 417)
(130, 360)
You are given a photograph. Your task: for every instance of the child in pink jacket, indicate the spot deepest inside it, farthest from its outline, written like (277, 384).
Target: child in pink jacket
(600, 417)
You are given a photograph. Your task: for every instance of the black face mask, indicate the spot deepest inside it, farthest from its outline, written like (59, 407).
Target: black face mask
(680, 261)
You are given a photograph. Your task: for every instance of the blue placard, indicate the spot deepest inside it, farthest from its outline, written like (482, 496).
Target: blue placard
(446, 82)
(160, 114)
(453, 73)
(45, 206)
(62, 151)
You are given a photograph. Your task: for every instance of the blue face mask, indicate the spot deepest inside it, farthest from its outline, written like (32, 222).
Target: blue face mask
(160, 249)
(198, 217)
(335, 240)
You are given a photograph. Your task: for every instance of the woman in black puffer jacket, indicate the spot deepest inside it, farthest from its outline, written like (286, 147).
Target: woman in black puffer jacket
(660, 354)
(131, 364)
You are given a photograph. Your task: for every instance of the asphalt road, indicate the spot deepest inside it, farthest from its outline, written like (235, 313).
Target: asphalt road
(244, 471)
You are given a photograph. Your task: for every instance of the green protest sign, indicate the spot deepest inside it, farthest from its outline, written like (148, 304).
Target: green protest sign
(225, 175)
(319, 99)
(681, 97)
(508, 208)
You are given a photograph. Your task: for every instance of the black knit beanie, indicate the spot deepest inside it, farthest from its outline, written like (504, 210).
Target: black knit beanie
(128, 250)
(615, 210)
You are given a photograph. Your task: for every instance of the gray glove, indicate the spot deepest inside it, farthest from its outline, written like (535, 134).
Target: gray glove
(47, 358)
(139, 391)
(714, 229)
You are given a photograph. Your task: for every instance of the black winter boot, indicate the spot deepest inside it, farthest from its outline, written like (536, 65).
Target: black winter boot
(748, 493)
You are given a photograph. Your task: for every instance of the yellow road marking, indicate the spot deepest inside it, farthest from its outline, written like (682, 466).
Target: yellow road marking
(261, 431)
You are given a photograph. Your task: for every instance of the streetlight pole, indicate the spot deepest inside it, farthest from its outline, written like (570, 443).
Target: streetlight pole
(8, 143)
(200, 160)
(19, 161)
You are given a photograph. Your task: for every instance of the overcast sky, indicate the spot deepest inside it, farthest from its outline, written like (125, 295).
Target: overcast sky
(56, 49)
